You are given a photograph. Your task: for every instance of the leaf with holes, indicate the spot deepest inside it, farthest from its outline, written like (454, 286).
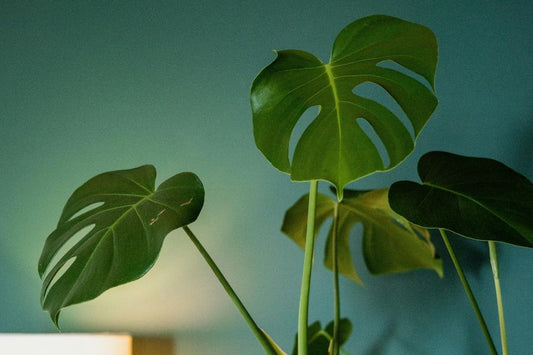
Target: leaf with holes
(334, 147)
(477, 198)
(390, 243)
(128, 221)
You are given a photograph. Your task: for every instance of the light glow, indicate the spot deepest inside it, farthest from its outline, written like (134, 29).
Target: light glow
(65, 344)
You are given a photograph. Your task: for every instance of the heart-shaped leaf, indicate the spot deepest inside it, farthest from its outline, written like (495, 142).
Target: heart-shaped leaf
(318, 340)
(390, 243)
(334, 147)
(128, 221)
(475, 197)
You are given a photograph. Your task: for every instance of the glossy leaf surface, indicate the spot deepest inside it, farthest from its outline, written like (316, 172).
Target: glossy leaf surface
(335, 147)
(319, 339)
(390, 243)
(475, 197)
(115, 224)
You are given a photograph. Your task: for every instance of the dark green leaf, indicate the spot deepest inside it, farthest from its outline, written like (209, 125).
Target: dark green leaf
(390, 243)
(345, 330)
(123, 230)
(475, 197)
(319, 339)
(334, 147)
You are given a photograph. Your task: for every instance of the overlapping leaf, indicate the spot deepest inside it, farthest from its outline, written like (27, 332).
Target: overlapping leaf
(475, 197)
(334, 147)
(126, 223)
(390, 243)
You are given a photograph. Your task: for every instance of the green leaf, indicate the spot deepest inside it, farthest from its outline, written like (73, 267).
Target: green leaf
(390, 243)
(345, 330)
(477, 198)
(319, 339)
(334, 147)
(121, 238)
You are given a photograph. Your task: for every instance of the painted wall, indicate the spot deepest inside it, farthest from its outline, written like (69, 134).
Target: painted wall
(88, 87)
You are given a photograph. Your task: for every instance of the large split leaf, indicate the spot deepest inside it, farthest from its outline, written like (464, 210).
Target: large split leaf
(390, 243)
(334, 147)
(318, 340)
(475, 197)
(123, 230)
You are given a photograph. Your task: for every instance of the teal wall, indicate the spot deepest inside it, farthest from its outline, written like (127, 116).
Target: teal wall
(87, 87)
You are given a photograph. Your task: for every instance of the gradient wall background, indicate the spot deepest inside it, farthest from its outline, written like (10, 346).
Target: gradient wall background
(87, 87)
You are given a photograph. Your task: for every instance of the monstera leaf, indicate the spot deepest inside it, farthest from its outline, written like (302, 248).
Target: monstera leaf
(128, 220)
(318, 341)
(334, 147)
(390, 243)
(475, 197)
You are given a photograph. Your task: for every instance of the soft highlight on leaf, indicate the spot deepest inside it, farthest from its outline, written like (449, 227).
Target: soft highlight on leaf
(477, 198)
(390, 243)
(334, 147)
(128, 222)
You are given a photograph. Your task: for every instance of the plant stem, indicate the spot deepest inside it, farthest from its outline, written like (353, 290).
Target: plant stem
(306, 274)
(231, 293)
(496, 275)
(469, 293)
(336, 294)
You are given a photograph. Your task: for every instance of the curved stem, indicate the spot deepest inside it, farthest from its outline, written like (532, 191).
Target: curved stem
(231, 293)
(306, 274)
(336, 294)
(469, 293)
(496, 275)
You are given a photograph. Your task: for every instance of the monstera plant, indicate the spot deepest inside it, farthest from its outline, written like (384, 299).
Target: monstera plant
(335, 147)
(112, 227)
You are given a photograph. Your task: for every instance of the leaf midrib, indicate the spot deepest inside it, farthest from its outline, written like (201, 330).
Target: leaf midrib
(110, 229)
(331, 79)
(438, 187)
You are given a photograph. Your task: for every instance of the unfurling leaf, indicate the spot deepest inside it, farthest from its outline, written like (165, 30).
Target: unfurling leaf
(390, 243)
(121, 233)
(334, 147)
(477, 198)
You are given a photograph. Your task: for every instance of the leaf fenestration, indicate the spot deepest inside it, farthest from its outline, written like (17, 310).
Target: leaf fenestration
(334, 147)
(390, 243)
(123, 231)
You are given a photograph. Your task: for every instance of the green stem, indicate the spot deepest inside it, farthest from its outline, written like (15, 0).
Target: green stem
(306, 274)
(469, 293)
(336, 293)
(231, 293)
(496, 275)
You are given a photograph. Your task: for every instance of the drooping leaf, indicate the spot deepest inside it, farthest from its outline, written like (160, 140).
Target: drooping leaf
(477, 198)
(390, 243)
(318, 339)
(123, 230)
(334, 147)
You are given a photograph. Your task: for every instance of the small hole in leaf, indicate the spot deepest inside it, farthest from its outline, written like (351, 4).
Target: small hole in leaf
(389, 64)
(305, 120)
(60, 273)
(371, 133)
(69, 244)
(374, 92)
(85, 209)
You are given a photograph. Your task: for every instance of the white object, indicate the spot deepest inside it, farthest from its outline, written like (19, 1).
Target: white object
(65, 344)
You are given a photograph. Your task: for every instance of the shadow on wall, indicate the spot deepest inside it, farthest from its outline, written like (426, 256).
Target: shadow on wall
(523, 150)
(151, 346)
